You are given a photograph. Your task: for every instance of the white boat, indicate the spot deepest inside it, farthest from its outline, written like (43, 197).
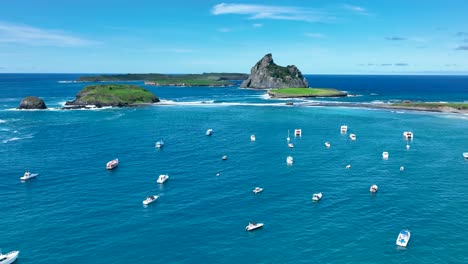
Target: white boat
(408, 134)
(253, 226)
(403, 238)
(257, 190)
(162, 178)
(28, 175)
(291, 145)
(289, 160)
(150, 199)
(352, 136)
(112, 164)
(159, 144)
(252, 137)
(209, 132)
(327, 144)
(8, 257)
(344, 129)
(402, 168)
(298, 132)
(373, 188)
(385, 155)
(317, 196)
(348, 166)
(224, 157)
(465, 155)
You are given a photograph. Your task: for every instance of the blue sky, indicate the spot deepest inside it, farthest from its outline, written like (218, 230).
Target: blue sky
(318, 36)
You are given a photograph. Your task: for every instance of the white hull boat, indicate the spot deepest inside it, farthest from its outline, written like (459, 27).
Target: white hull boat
(408, 135)
(224, 157)
(327, 144)
(352, 136)
(298, 132)
(252, 138)
(385, 155)
(344, 129)
(373, 188)
(257, 190)
(8, 257)
(403, 238)
(253, 226)
(159, 144)
(112, 164)
(348, 166)
(289, 160)
(27, 175)
(150, 199)
(209, 132)
(162, 178)
(291, 145)
(317, 196)
(402, 168)
(465, 155)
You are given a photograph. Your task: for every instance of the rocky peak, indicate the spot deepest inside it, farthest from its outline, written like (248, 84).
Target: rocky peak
(266, 74)
(32, 102)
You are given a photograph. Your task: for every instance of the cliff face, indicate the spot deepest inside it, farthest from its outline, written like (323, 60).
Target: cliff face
(266, 74)
(32, 102)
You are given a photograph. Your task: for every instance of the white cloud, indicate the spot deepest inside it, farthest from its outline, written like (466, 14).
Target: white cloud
(224, 30)
(257, 25)
(32, 36)
(270, 12)
(357, 9)
(315, 35)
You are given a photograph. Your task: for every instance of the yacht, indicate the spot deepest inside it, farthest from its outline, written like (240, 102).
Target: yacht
(112, 164)
(252, 137)
(253, 226)
(408, 134)
(385, 155)
(465, 155)
(373, 188)
(327, 144)
(257, 190)
(159, 144)
(403, 238)
(28, 175)
(209, 132)
(298, 132)
(317, 196)
(344, 129)
(291, 145)
(289, 160)
(162, 178)
(8, 257)
(352, 136)
(150, 199)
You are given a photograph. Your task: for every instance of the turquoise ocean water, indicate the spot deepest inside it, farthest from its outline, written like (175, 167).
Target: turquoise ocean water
(76, 211)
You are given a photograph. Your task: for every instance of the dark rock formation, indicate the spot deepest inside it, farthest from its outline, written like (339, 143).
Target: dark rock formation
(32, 102)
(266, 74)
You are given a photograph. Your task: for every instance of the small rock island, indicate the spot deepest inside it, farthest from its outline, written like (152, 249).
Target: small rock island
(116, 95)
(32, 102)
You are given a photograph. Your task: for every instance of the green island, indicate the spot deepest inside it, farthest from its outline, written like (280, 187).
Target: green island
(305, 92)
(205, 79)
(112, 95)
(432, 106)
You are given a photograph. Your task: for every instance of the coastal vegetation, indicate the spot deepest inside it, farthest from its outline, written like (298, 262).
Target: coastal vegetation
(305, 92)
(113, 95)
(433, 105)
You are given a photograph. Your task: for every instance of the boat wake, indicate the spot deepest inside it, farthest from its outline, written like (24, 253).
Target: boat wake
(5, 141)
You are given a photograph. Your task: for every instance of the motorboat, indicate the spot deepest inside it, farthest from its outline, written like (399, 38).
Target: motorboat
(8, 258)
(224, 157)
(150, 199)
(352, 136)
(253, 226)
(348, 166)
(289, 160)
(298, 132)
(159, 144)
(327, 144)
(28, 175)
(408, 134)
(385, 155)
(402, 168)
(403, 238)
(317, 196)
(112, 164)
(209, 132)
(291, 145)
(344, 129)
(465, 155)
(162, 178)
(373, 188)
(257, 190)
(252, 137)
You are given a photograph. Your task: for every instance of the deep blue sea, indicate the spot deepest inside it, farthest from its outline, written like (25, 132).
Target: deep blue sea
(76, 211)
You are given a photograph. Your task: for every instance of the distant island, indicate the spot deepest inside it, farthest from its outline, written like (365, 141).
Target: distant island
(305, 92)
(118, 95)
(205, 79)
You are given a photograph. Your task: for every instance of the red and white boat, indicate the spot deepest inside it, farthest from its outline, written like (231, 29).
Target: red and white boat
(112, 164)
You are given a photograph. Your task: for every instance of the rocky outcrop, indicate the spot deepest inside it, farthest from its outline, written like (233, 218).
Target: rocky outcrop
(265, 74)
(32, 102)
